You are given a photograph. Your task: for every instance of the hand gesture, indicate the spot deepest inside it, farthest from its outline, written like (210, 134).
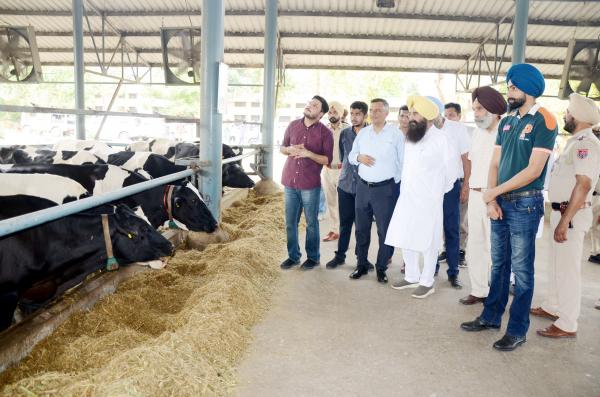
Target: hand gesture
(366, 160)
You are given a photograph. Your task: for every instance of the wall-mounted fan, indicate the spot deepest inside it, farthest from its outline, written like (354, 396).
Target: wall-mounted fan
(181, 55)
(19, 57)
(581, 72)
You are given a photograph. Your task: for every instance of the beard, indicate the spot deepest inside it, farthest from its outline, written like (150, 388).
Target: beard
(485, 122)
(569, 126)
(515, 103)
(416, 131)
(308, 115)
(333, 120)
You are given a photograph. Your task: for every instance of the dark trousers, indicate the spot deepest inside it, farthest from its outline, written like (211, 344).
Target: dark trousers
(452, 228)
(378, 201)
(346, 204)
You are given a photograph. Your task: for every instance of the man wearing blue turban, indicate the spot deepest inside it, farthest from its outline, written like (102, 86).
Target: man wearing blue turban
(515, 203)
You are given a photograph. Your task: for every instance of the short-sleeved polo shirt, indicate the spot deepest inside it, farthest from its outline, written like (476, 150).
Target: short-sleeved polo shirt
(519, 137)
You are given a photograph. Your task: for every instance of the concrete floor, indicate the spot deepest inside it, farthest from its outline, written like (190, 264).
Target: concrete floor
(327, 335)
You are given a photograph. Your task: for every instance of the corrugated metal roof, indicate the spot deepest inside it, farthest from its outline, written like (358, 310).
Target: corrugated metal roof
(430, 35)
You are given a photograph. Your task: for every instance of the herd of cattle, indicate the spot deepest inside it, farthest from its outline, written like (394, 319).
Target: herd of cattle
(39, 263)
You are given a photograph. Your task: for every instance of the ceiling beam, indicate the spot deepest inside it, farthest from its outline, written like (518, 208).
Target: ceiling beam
(258, 51)
(318, 67)
(311, 35)
(309, 14)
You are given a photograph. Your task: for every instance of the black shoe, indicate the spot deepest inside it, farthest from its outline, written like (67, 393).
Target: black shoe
(442, 256)
(335, 262)
(309, 264)
(477, 325)
(594, 259)
(358, 273)
(370, 266)
(288, 264)
(381, 276)
(509, 343)
(454, 282)
(461, 255)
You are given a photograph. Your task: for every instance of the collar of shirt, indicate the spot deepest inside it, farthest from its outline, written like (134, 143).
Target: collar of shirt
(532, 111)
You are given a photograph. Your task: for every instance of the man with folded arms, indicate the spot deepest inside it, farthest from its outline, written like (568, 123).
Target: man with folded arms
(573, 178)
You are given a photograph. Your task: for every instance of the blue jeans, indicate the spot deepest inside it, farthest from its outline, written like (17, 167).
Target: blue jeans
(322, 202)
(297, 200)
(513, 243)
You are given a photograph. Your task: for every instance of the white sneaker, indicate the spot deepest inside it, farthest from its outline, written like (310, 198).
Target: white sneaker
(423, 292)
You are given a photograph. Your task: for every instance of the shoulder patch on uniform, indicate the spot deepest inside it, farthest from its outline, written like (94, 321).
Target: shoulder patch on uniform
(582, 153)
(549, 118)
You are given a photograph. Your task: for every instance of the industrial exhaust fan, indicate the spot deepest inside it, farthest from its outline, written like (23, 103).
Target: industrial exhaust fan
(581, 71)
(181, 55)
(19, 57)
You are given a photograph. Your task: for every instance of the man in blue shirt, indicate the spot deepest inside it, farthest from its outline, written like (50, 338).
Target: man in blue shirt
(378, 152)
(346, 190)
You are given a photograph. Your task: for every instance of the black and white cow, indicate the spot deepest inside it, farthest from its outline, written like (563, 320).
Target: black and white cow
(99, 149)
(28, 155)
(186, 206)
(67, 248)
(153, 164)
(162, 146)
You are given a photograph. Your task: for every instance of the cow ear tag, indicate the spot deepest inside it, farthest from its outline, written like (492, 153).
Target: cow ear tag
(173, 225)
(129, 235)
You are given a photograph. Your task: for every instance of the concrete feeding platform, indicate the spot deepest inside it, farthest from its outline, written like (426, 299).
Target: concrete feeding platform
(327, 335)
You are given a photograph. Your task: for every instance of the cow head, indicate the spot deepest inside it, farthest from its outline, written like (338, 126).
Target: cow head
(234, 176)
(190, 211)
(134, 240)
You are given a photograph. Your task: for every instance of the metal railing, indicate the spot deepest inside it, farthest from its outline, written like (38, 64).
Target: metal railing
(25, 221)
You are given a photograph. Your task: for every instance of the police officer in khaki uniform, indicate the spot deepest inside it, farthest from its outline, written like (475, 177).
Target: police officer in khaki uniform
(572, 182)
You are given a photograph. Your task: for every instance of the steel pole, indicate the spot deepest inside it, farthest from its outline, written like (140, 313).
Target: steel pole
(79, 66)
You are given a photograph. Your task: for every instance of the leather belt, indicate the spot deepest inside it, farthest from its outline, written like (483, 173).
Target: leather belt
(517, 195)
(477, 189)
(562, 207)
(376, 184)
(334, 167)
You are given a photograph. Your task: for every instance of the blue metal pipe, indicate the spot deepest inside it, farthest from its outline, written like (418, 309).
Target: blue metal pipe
(268, 115)
(78, 65)
(213, 32)
(520, 38)
(32, 219)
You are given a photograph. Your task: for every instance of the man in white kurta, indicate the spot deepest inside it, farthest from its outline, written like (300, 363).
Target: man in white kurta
(488, 106)
(416, 224)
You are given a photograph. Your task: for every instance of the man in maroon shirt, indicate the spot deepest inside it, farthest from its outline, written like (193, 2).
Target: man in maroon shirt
(309, 146)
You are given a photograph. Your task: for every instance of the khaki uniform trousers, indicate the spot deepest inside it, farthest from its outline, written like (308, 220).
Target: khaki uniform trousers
(595, 229)
(564, 292)
(330, 178)
(464, 224)
(478, 245)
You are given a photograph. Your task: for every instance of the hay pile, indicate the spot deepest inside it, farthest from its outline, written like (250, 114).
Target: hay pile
(174, 332)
